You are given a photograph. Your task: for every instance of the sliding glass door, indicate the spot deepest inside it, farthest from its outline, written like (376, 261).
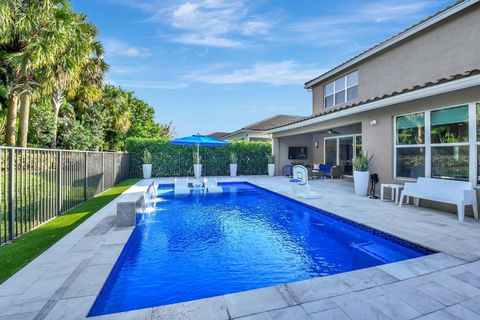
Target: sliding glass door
(342, 150)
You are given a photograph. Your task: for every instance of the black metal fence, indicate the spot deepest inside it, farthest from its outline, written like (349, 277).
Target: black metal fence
(37, 185)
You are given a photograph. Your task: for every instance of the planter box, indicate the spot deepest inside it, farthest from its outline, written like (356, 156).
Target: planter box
(233, 169)
(271, 169)
(197, 171)
(147, 171)
(360, 182)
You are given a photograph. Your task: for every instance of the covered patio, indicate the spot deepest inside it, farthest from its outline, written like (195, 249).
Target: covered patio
(334, 146)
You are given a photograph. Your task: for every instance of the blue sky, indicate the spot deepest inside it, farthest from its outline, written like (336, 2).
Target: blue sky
(218, 65)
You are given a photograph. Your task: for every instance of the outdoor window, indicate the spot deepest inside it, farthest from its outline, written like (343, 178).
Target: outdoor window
(341, 90)
(435, 144)
(331, 152)
(450, 125)
(410, 145)
(411, 162)
(358, 145)
(450, 162)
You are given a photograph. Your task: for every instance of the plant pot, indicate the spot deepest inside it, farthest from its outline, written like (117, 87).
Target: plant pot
(360, 182)
(233, 170)
(147, 171)
(271, 169)
(197, 171)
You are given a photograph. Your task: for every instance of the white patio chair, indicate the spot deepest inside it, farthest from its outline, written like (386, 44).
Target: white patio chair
(211, 185)
(181, 186)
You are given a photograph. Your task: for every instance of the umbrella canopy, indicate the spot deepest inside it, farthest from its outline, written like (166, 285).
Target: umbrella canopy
(199, 140)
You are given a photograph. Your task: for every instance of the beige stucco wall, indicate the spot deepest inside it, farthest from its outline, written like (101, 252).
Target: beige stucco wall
(448, 48)
(378, 139)
(250, 136)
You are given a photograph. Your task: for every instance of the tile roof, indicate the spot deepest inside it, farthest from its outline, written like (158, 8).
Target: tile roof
(339, 67)
(389, 95)
(218, 135)
(271, 122)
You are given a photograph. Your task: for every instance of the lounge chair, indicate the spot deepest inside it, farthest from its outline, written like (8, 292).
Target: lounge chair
(211, 185)
(181, 186)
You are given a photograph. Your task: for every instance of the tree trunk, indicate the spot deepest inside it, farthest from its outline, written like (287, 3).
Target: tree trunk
(23, 120)
(11, 120)
(57, 103)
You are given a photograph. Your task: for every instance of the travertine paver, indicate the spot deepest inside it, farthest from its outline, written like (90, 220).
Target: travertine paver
(63, 282)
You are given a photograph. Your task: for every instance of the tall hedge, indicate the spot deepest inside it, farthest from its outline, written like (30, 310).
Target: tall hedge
(174, 161)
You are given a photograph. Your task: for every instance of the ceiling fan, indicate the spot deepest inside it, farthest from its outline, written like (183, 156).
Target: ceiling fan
(329, 131)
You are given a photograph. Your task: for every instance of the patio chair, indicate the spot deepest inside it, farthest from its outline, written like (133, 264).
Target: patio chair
(211, 185)
(326, 170)
(181, 186)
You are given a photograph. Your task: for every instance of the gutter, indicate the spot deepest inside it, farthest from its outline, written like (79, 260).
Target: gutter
(405, 97)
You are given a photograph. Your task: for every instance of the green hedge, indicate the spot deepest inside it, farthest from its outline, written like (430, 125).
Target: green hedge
(174, 161)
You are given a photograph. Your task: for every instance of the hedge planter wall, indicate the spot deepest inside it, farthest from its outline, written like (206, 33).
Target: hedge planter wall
(177, 161)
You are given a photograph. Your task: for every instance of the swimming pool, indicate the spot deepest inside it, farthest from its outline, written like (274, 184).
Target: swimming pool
(199, 246)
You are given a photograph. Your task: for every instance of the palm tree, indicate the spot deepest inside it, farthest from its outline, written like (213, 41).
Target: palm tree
(71, 63)
(29, 30)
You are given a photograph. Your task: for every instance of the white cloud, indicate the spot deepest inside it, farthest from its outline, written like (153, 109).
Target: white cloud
(126, 69)
(139, 84)
(209, 41)
(393, 10)
(114, 47)
(278, 73)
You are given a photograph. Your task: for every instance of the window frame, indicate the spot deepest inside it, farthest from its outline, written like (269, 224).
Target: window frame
(428, 145)
(333, 94)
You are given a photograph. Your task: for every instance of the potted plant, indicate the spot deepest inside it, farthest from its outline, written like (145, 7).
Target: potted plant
(197, 166)
(361, 165)
(271, 165)
(233, 164)
(147, 164)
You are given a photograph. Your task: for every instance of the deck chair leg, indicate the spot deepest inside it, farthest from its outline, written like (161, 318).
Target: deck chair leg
(461, 212)
(402, 197)
(416, 201)
(475, 210)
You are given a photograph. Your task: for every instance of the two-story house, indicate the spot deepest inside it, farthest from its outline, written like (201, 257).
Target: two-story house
(411, 101)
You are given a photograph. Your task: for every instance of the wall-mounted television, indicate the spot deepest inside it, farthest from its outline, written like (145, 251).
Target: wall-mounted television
(297, 153)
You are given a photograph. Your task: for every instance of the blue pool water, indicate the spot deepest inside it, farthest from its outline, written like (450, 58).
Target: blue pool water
(201, 246)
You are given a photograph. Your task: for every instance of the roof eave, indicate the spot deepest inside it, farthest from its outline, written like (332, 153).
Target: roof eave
(447, 13)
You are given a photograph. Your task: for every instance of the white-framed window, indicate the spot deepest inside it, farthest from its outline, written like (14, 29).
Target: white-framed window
(440, 143)
(341, 90)
(341, 150)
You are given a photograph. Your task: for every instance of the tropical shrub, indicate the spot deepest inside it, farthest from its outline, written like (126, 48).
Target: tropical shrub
(173, 160)
(362, 162)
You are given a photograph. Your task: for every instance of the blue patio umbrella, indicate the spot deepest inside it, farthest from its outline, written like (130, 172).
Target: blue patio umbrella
(199, 140)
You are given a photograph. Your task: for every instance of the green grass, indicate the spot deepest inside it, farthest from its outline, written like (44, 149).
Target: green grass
(23, 250)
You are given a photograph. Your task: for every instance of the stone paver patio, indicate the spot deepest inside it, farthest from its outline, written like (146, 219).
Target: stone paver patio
(63, 282)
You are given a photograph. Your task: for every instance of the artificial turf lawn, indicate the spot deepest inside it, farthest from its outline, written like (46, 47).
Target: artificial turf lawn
(23, 250)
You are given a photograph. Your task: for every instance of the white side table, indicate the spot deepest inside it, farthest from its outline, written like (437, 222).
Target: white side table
(396, 188)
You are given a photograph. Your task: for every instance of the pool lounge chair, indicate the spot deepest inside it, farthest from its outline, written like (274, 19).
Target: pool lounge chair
(211, 185)
(181, 186)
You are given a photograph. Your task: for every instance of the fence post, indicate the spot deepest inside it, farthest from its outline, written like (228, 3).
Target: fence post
(113, 166)
(103, 171)
(11, 216)
(85, 184)
(59, 182)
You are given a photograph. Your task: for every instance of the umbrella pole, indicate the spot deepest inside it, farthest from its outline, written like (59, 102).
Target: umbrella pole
(198, 153)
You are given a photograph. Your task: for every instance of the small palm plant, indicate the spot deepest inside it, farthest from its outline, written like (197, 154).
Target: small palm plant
(197, 158)
(362, 162)
(147, 157)
(233, 157)
(270, 158)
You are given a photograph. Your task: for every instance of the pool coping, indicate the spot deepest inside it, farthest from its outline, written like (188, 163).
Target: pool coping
(71, 293)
